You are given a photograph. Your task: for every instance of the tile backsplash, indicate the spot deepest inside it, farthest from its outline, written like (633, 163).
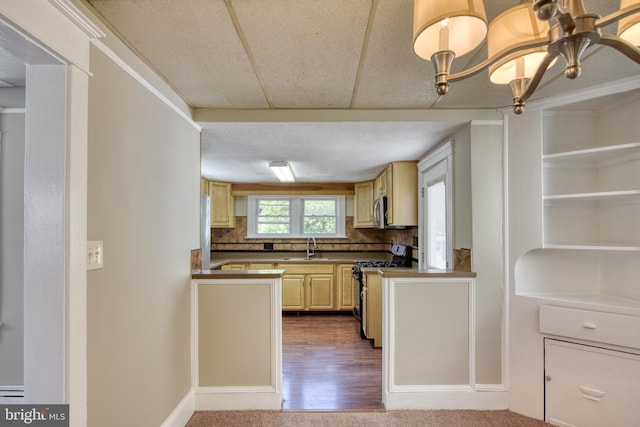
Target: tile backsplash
(358, 239)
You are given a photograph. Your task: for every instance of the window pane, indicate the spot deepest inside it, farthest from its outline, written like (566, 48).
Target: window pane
(274, 216)
(436, 225)
(319, 216)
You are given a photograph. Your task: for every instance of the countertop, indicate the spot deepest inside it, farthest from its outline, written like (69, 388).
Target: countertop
(238, 274)
(326, 258)
(415, 272)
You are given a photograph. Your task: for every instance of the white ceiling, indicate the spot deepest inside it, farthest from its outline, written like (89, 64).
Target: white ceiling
(233, 60)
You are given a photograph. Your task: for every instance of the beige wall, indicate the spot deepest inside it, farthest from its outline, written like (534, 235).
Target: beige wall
(234, 344)
(143, 202)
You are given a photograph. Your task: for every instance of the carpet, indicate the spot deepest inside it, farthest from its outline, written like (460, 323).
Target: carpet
(436, 418)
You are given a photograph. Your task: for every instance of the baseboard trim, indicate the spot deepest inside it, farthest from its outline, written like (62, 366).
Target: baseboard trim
(182, 413)
(225, 399)
(447, 399)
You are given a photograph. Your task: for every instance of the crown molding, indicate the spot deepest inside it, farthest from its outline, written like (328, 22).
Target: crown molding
(78, 18)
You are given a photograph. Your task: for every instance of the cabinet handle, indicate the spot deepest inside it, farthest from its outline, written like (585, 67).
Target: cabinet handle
(591, 393)
(589, 325)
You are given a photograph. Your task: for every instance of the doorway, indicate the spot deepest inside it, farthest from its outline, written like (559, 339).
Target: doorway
(39, 279)
(327, 366)
(12, 151)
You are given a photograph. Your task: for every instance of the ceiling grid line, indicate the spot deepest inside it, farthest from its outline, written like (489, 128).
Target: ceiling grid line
(363, 51)
(245, 45)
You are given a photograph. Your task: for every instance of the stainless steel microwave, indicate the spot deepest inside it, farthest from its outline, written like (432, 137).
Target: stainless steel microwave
(380, 212)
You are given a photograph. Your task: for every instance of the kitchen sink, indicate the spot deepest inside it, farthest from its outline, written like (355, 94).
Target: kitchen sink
(307, 259)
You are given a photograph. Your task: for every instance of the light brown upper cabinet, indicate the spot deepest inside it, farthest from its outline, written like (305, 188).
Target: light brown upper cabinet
(223, 209)
(402, 194)
(363, 205)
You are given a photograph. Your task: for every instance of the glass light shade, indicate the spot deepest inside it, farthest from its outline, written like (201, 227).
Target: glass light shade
(515, 27)
(629, 27)
(464, 22)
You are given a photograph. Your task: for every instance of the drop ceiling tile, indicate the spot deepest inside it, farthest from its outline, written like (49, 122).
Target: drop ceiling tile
(193, 44)
(392, 76)
(307, 51)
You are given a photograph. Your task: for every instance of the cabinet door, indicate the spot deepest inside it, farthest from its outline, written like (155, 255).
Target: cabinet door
(402, 194)
(293, 292)
(363, 205)
(345, 288)
(320, 290)
(222, 205)
(373, 308)
(380, 185)
(590, 387)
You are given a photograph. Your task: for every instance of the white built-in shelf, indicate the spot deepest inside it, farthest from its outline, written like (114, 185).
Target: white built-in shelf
(597, 302)
(592, 247)
(596, 155)
(629, 196)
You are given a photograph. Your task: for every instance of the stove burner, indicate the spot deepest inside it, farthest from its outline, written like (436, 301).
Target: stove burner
(356, 270)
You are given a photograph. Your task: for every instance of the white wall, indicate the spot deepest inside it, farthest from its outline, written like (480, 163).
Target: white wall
(11, 238)
(144, 203)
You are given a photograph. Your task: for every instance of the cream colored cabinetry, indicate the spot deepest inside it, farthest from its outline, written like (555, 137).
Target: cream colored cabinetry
(372, 308)
(595, 379)
(308, 287)
(589, 386)
(293, 294)
(260, 266)
(399, 184)
(234, 266)
(402, 193)
(345, 287)
(363, 205)
(223, 210)
(380, 185)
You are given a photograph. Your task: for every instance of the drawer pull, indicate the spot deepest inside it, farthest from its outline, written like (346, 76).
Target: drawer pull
(589, 325)
(591, 393)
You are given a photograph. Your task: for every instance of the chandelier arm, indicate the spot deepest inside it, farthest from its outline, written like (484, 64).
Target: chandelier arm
(617, 15)
(622, 46)
(537, 78)
(489, 61)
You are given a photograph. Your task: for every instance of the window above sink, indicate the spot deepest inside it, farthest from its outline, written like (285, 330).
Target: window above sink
(295, 216)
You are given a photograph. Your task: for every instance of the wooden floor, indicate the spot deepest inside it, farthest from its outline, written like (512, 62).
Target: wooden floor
(327, 366)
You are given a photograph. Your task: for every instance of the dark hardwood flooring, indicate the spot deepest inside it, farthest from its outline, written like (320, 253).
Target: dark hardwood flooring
(327, 366)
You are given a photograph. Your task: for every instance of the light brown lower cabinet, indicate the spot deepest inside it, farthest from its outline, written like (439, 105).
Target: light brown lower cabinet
(372, 308)
(345, 286)
(308, 287)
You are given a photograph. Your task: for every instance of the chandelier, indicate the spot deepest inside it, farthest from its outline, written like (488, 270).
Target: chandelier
(522, 42)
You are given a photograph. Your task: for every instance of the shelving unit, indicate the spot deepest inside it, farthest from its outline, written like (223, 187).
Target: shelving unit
(592, 196)
(590, 205)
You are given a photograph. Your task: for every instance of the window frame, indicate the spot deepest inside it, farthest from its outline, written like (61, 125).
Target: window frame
(296, 217)
(438, 166)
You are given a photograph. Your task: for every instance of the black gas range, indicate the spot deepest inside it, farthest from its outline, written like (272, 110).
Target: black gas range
(401, 258)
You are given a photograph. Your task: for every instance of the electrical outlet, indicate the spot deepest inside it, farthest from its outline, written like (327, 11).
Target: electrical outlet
(95, 255)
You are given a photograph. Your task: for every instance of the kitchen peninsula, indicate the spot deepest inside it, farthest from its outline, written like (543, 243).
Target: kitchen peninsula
(237, 367)
(427, 328)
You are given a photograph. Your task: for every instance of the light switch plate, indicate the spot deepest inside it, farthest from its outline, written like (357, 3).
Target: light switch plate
(95, 255)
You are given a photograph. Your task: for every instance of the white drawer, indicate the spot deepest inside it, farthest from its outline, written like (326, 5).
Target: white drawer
(617, 329)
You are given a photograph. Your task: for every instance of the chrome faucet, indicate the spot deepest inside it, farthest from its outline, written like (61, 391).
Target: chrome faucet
(315, 246)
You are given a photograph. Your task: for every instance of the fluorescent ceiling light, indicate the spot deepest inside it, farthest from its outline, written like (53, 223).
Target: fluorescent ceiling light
(282, 171)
